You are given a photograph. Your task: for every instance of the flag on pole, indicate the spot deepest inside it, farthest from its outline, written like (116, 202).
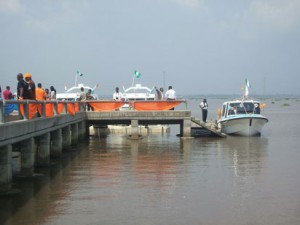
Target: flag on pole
(247, 86)
(79, 73)
(137, 74)
(247, 83)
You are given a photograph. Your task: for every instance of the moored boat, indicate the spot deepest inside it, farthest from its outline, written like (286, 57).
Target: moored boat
(242, 117)
(137, 92)
(73, 93)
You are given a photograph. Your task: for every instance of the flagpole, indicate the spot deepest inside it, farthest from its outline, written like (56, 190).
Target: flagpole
(76, 79)
(133, 80)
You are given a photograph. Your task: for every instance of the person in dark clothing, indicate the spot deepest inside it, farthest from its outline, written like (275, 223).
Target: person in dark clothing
(22, 87)
(204, 107)
(31, 86)
(89, 96)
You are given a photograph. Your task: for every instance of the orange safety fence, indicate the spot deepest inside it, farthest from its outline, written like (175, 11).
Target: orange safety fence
(49, 109)
(155, 105)
(106, 105)
(71, 108)
(32, 110)
(77, 106)
(60, 108)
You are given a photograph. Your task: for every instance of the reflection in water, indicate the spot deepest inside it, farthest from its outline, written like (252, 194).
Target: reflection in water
(154, 180)
(248, 154)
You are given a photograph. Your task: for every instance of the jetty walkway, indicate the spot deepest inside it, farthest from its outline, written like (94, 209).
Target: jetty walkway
(40, 138)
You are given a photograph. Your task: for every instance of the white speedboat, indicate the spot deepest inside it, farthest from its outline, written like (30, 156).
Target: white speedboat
(138, 92)
(242, 117)
(73, 93)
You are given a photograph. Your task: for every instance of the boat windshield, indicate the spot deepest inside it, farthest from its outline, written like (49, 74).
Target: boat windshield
(243, 108)
(138, 90)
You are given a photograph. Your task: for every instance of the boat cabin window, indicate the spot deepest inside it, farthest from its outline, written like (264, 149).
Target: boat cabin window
(224, 110)
(243, 108)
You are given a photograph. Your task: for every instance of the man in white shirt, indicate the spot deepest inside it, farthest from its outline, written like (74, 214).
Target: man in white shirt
(170, 94)
(118, 96)
(204, 106)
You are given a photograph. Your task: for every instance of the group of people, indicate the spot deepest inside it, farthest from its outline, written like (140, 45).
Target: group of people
(86, 96)
(26, 89)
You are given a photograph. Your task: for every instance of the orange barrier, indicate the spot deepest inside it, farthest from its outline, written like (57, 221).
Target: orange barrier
(106, 105)
(71, 108)
(155, 105)
(49, 109)
(77, 106)
(60, 108)
(32, 110)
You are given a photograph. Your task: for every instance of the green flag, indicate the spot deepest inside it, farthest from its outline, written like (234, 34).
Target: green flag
(79, 73)
(137, 74)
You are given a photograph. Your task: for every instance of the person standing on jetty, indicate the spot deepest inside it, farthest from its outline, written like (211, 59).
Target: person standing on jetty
(118, 96)
(52, 93)
(7, 94)
(31, 86)
(159, 93)
(170, 95)
(204, 106)
(22, 87)
(40, 93)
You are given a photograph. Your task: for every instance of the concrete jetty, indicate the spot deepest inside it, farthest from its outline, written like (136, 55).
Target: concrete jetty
(43, 137)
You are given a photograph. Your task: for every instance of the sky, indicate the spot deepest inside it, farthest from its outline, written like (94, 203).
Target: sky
(197, 46)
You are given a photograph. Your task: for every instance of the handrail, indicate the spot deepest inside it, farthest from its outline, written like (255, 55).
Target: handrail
(43, 105)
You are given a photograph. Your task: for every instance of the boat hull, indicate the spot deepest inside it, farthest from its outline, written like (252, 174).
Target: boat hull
(244, 126)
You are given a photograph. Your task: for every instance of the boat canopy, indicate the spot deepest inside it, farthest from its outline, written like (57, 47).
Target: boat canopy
(138, 88)
(241, 107)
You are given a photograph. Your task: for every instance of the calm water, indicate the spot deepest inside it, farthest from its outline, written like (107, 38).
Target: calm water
(162, 179)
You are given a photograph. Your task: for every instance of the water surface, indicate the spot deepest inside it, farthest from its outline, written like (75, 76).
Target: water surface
(163, 179)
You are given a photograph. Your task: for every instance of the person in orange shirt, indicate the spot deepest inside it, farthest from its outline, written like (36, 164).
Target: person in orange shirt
(40, 94)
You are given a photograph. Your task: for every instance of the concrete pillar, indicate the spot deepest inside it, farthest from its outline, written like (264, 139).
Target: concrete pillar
(43, 154)
(5, 168)
(66, 137)
(186, 128)
(27, 157)
(74, 134)
(57, 142)
(134, 129)
(81, 130)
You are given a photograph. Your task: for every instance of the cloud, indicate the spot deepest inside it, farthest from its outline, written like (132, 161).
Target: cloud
(10, 6)
(278, 15)
(191, 3)
(53, 16)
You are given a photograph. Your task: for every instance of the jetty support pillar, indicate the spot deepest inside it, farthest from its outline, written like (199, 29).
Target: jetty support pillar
(43, 153)
(5, 168)
(74, 134)
(56, 139)
(81, 130)
(185, 128)
(134, 129)
(27, 157)
(66, 137)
